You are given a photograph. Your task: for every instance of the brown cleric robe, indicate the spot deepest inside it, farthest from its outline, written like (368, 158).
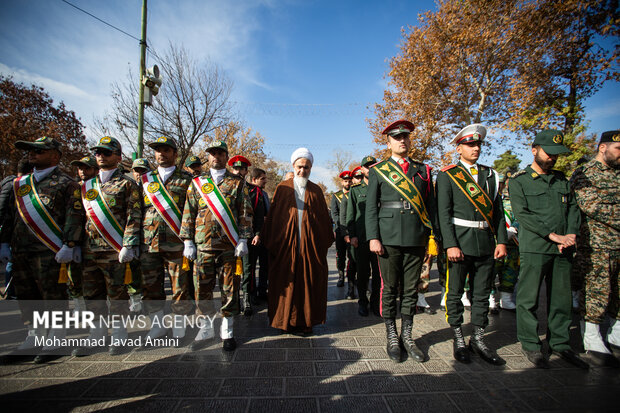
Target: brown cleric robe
(297, 264)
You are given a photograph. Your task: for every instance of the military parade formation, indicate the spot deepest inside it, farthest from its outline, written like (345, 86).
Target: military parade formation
(108, 239)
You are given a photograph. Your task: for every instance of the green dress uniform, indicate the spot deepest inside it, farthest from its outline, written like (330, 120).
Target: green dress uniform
(543, 204)
(364, 259)
(463, 226)
(341, 245)
(393, 221)
(163, 249)
(351, 262)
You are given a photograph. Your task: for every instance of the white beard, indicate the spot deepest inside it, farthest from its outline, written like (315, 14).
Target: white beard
(300, 182)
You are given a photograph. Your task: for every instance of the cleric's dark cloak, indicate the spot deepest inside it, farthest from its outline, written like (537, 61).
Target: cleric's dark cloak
(297, 268)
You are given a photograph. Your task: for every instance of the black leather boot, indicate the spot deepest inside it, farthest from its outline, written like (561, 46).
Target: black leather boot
(351, 291)
(410, 346)
(461, 353)
(393, 344)
(340, 279)
(478, 346)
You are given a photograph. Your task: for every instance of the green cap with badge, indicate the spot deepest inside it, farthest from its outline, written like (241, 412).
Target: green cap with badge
(109, 143)
(141, 163)
(217, 145)
(43, 143)
(368, 160)
(164, 141)
(88, 161)
(552, 142)
(192, 160)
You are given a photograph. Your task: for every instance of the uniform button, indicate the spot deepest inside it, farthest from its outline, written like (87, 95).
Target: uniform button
(411, 212)
(402, 212)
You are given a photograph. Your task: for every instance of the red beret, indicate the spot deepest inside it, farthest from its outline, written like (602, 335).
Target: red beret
(356, 170)
(345, 175)
(239, 161)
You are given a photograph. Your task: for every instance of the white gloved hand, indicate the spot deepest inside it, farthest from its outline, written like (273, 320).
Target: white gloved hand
(512, 233)
(65, 255)
(126, 255)
(5, 253)
(77, 254)
(241, 250)
(189, 251)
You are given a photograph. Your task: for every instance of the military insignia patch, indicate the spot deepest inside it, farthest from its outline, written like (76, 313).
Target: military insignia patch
(472, 189)
(176, 198)
(45, 200)
(24, 190)
(136, 205)
(112, 202)
(91, 194)
(153, 187)
(76, 194)
(395, 176)
(616, 138)
(105, 139)
(53, 183)
(162, 139)
(475, 136)
(147, 201)
(207, 188)
(534, 175)
(558, 139)
(202, 203)
(77, 205)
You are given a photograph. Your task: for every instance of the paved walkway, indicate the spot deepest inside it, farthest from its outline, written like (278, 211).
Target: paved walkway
(343, 367)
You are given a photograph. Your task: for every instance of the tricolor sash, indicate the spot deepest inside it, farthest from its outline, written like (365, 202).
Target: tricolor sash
(34, 213)
(394, 176)
(98, 212)
(218, 206)
(479, 199)
(162, 201)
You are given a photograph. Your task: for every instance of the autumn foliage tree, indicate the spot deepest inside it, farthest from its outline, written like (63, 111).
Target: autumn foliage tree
(28, 113)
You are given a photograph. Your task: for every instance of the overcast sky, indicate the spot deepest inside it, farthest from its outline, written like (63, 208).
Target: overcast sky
(304, 72)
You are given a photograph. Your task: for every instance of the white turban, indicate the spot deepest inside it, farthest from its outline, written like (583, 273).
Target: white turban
(302, 153)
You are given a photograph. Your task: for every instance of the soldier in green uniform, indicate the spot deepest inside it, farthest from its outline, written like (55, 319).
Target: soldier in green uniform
(474, 235)
(549, 219)
(596, 185)
(339, 230)
(217, 222)
(193, 165)
(39, 247)
(356, 179)
(114, 211)
(87, 168)
(239, 165)
(400, 217)
(364, 260)
(165, 190)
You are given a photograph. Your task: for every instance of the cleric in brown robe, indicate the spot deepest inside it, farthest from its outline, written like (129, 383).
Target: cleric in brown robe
(297, 234)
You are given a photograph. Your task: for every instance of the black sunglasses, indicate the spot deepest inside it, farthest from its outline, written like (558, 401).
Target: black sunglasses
(103, 152)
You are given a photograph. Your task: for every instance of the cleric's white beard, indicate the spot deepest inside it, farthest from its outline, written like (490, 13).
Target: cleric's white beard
(301, 182)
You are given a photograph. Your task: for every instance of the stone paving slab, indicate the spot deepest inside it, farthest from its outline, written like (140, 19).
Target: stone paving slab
(343, 367)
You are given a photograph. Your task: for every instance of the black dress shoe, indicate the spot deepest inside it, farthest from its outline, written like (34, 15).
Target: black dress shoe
(229, 344)
(573, 358)
(537, 359)
(362, 310)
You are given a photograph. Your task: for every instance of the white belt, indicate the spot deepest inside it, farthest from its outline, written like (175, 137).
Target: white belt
(470, 224)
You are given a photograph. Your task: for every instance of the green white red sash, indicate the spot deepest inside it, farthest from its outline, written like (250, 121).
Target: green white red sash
(394, 176)
(98, 211)
(473, 192)
(35, 215)
(162, 201)
(218, 206)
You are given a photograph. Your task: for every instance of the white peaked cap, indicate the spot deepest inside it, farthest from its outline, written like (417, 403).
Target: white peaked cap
(470, 133)
(302, 153)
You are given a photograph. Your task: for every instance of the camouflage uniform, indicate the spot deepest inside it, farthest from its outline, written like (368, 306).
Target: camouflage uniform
(103, 274)
(598, 193)
(35, 271)
(162, 249)
(215, 253)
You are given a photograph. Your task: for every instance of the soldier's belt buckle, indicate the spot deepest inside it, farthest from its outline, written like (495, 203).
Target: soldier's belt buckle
(406, 205)
(481, 224)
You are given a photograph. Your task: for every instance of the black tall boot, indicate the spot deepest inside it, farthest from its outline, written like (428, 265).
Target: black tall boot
(478, 346)
(340, 279)
(351, 290)
(461, 353)
(405, 336)
(393, 344)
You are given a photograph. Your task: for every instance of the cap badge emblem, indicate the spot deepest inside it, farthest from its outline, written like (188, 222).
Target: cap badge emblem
(558, 139)
(105, 139)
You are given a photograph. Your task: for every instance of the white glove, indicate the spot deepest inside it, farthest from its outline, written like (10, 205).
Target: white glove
(77, 255)
(135, 303)
(5, 253)
(512, 233)
(65, 255)
(241, 250)
(189, 251)
(126, 255)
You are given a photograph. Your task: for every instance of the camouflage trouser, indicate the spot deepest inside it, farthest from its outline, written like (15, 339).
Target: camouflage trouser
(74, 286)
(208, 266)
(425, 275)
(103, 278)
(600, 273)
(153, 275)
(508, 270)
(35, 277)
